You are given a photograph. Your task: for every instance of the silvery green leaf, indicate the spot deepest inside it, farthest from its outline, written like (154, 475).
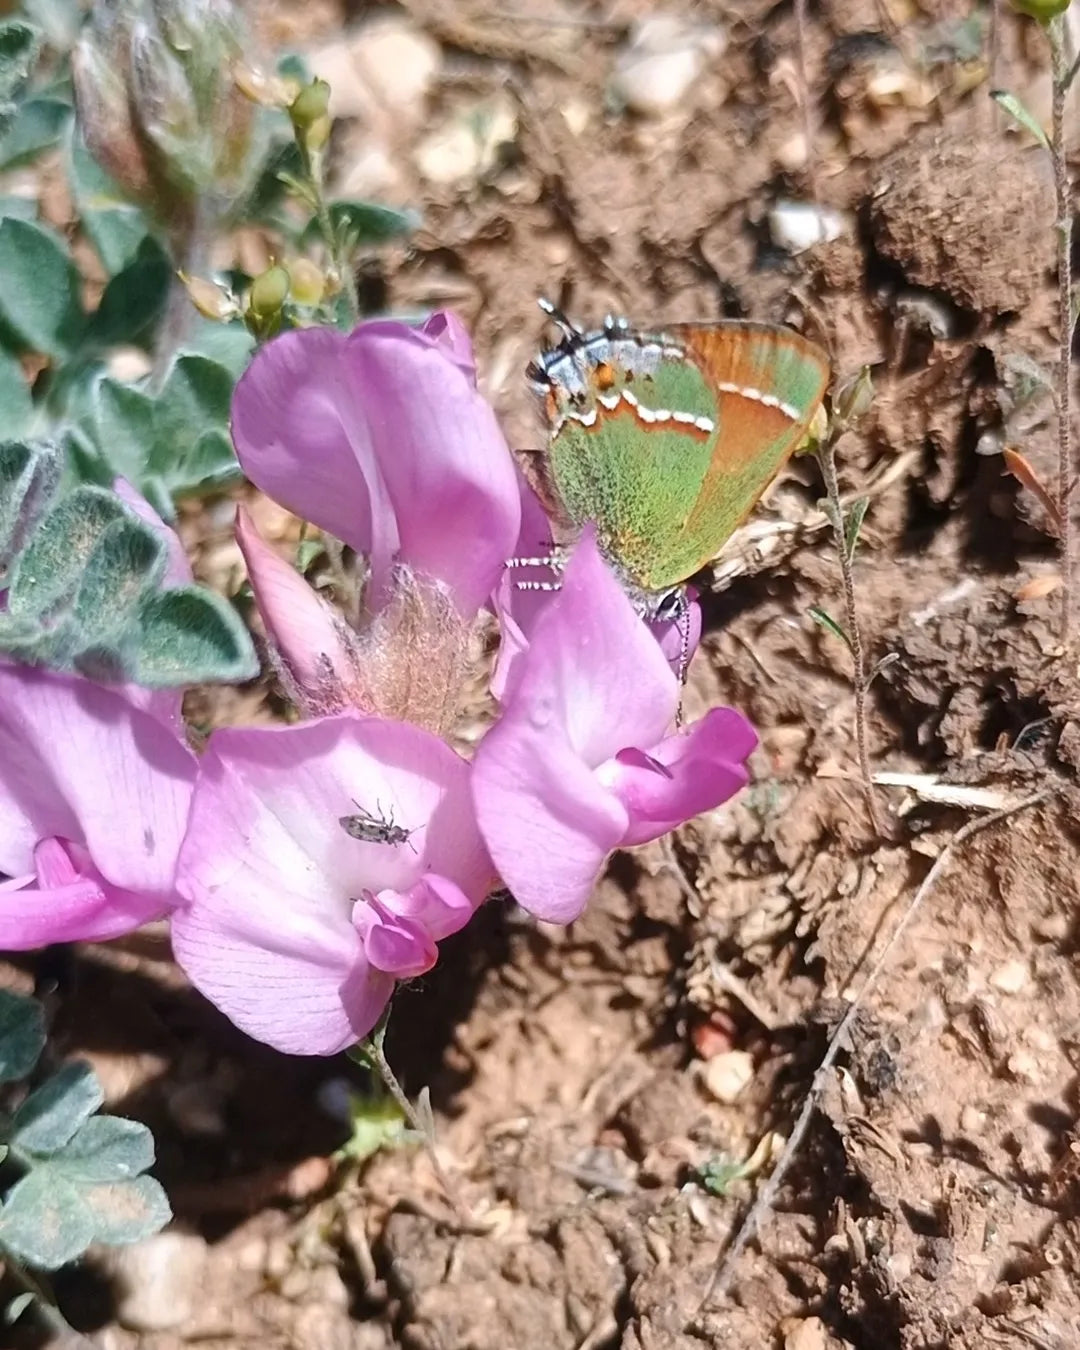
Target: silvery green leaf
(48, 569)
(22, 1035)
(830, 625)
(52, 1113)
(1020, 115)
(125, 1211)
(43, 1220)
(40, 308)
(108, 1148)
(189, 636)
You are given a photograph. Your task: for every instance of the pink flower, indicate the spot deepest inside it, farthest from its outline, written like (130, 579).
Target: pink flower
(295, 926)
(381, 438)
(94, 799)
(583, 759)
(518, 606)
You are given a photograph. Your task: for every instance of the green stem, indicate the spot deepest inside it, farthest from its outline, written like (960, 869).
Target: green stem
(338, 254)
(861, 676)
(371, 1055)
(1062, 77)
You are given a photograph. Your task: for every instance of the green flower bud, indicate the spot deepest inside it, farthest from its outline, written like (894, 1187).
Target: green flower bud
(1043, 10)
(307, 282)
(310, 115)
(266, 301)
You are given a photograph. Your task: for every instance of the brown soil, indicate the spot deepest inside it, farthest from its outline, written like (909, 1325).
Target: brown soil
(933, 1204)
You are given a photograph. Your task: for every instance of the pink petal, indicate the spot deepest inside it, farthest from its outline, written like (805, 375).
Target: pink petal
(306, 631)
(436, 903)
(517, 608)
(446, 330)
(280, 994)
(302, 437)
(678, 638)
(685, 774)
(593, 667)
(83, 910)
(546, 818)
(80, 762)
(447, 466)
(393, 943)
(271, 878)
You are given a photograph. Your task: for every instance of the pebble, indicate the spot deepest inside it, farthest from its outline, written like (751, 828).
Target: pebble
(467, 146)
(127, 364)
(663, 58)
(159, 1282)
(1011, 977)
(972, 1121)
(384, 66)
(726, 1075)
(797, 226)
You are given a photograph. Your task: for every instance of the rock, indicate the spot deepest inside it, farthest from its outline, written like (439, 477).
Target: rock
(725, 1076)
(383, 67)
(159, 1281)
(797, 226)
(468, 146)
(664, 57)
(1010, 978)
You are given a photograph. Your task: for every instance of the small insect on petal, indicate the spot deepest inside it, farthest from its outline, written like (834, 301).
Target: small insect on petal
(371, 829)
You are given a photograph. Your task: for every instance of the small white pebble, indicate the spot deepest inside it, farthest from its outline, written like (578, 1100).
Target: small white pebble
(1023, 1066)
(664, 57)
(797, 226)
(726, 1075)
(972, 1120)
(1011, 977)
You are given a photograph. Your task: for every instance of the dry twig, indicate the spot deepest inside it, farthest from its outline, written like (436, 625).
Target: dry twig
(763, 1202)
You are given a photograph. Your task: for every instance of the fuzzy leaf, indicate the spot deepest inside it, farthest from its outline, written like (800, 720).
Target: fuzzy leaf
(191, 636)
(38, 125)
(39, 290)
(22, 1035)
(1020, 115)
(108, 1148)
(125, 1211)
(16, 405)
(134, 300)
(853, 524)
(52, 1113)
(29, 477)
(128, 562)
(830, 625)
(43, 1220)
(114, 226)
(49, 568)
(123, 419)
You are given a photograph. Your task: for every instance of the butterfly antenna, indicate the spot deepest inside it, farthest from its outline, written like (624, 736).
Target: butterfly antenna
(557, 317)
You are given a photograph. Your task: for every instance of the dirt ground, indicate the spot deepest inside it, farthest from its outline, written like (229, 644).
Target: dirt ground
(588, 1082)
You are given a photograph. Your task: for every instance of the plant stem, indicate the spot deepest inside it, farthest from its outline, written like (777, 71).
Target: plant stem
(1062, 77)
(342, 264)
(371, 1055)
(860, 678)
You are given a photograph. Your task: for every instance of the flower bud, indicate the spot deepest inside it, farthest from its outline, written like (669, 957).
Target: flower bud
(1043, 10)
(266, 300)
(852, 398)
(307, 282)
(159, 105)
(310, 115)
(211, 300)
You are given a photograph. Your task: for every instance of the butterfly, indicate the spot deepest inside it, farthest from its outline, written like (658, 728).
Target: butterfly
(666, 439)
